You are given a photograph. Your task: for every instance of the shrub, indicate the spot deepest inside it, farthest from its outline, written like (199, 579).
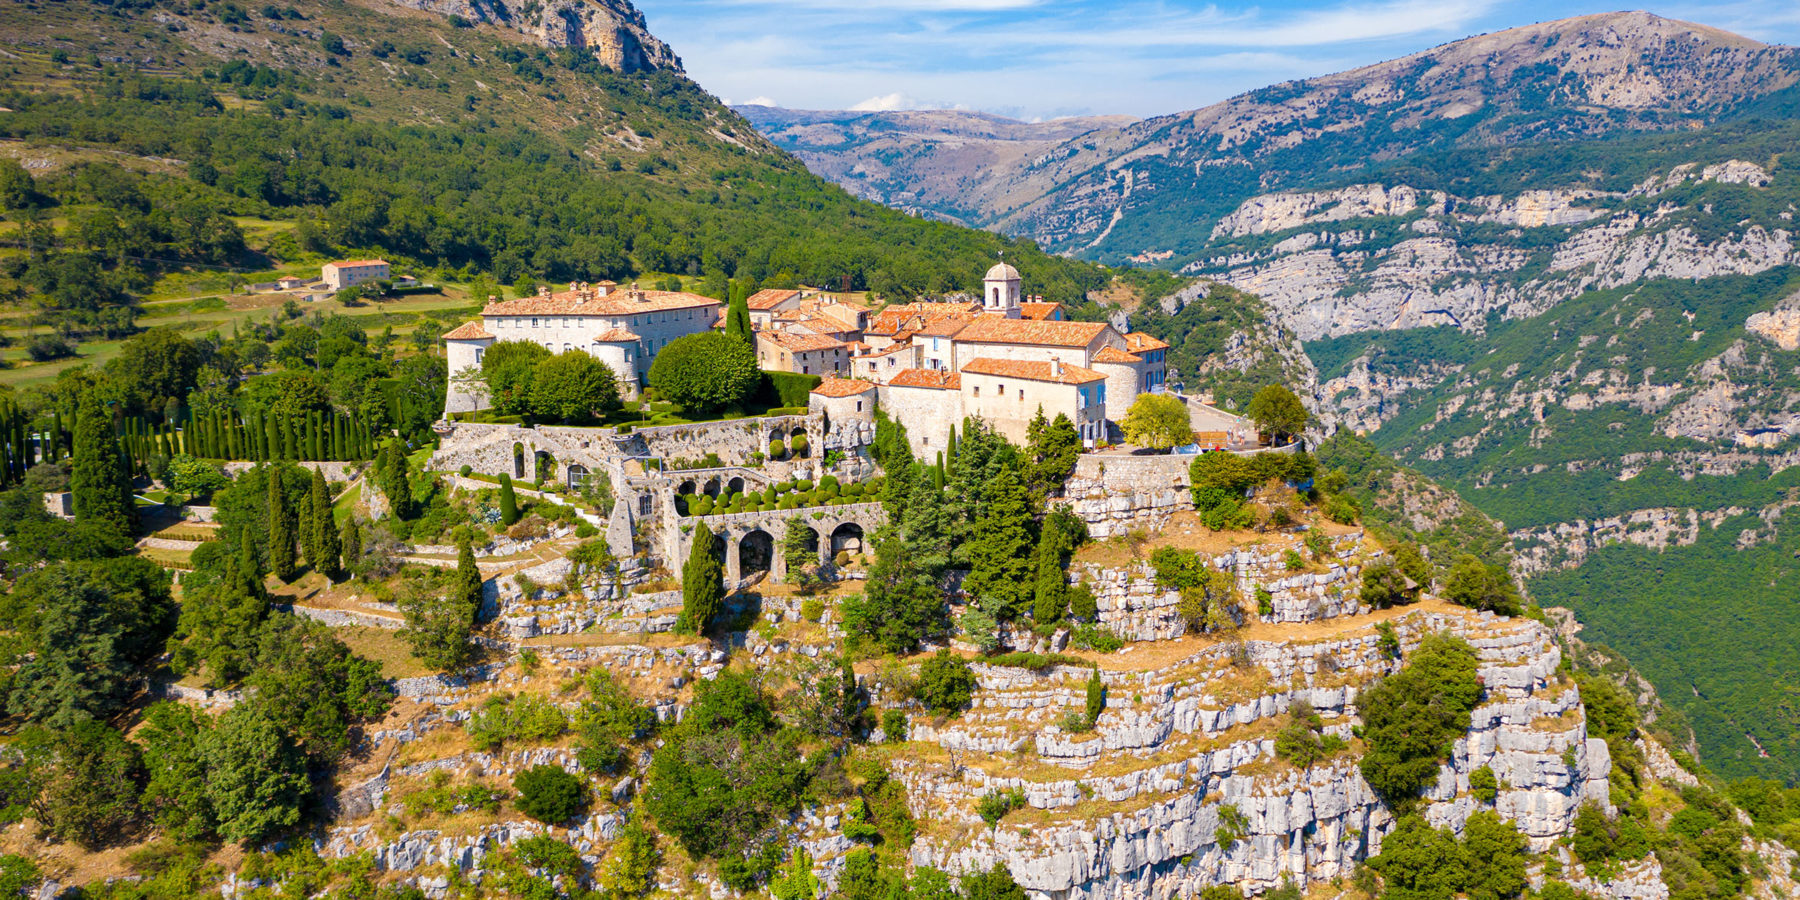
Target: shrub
(812, 609)
(777, 449)
(1097, 638)
(893, 722)
(1483, 785)
(1292, 561)
(465, 470)
(1411, 717)
(994, 805)
(46, 347)
(946, 683)
(550, 794)
(799, 445)
(705, 372)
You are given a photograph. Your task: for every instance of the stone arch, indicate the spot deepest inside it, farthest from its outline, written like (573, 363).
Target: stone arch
(735, 485)
(756, 553)
(713, 488)
(577, 475)
(687, 488)
(544, 466)
(847, 537)
(799, 431)
(518, 460)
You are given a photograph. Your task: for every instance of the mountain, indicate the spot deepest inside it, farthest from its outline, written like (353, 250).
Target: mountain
(951, 164)
(1155, 189)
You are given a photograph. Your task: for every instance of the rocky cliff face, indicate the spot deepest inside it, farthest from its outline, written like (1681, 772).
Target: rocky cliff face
(613, 29)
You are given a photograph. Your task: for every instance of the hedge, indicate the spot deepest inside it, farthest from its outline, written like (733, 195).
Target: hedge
(789, 389)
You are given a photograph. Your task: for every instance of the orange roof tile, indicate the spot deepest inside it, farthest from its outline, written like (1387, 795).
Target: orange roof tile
(615, 336)
(935, 379)
(579, 303)
(800, 343)
(996, 330)
(1039, 311)
(358, 262)
(1032, 371)
(913, 316)
(842, 387)
(1139, 342)
(467, 331)
(771, 298)
(947, 326)
(820, 325)
(1115, 355)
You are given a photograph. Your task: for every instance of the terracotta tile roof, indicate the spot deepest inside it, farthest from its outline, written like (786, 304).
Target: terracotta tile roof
(1139, 342)
(1115, 355)
(1039, 311)
(580, 303)
(936, 379)
(842, 387)
(996, 330)
(1032, 371)
(819, 325)
(913, 316)
(467, 331)
(948, 326)
(358, 262)
(615, 336)
(800, 343)
(771, 298)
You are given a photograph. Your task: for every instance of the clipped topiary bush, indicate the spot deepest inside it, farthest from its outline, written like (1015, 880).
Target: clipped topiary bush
(799, 444)
(777, 449)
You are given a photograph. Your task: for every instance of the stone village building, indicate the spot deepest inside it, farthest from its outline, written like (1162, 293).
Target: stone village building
(622, 328)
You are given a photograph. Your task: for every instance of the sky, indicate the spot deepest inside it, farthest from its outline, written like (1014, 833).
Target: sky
(1042, 59)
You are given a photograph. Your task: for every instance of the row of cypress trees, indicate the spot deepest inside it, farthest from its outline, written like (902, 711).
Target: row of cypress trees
(259, 436)
(264, 436)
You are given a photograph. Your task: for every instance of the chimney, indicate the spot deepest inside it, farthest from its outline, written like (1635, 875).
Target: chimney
(543, 290)
(602, 290)
(1055, 367)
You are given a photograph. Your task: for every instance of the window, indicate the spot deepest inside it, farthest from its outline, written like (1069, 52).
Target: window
(978, 390)
(1000, 388)
(643, 504)
(1021, 395)
(859, 406)
(478, 353)
(534, 323)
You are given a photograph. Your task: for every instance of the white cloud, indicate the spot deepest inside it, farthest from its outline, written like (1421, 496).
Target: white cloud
(886, 103)
(760, 101)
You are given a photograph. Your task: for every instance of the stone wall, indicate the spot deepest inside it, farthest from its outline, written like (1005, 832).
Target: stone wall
(1115, 493)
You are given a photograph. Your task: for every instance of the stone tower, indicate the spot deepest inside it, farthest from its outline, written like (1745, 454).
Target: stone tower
(1000, 291)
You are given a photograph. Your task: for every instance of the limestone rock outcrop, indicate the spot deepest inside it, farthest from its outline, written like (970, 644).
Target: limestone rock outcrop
(613, 30)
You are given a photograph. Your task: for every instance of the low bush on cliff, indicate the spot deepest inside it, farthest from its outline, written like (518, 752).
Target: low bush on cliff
(1411, 718)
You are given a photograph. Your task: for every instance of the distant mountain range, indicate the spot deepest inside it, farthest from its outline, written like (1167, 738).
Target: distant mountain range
(1153, 189)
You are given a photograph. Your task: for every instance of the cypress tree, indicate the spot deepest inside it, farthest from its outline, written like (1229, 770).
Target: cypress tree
(305, 522)
(999, 545)
(56, 442)
(351, 544)
(467, 589)
(950, 455)
(737, 319)
(271, 439)
(702, 583)
(1096, 695)
(288, 449)
(509, 502)
(1050, 600)
(394, 482)
(281, 529)
(100, 481)
(325, 532)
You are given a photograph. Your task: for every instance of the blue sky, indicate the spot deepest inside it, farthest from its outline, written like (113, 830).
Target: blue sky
(1036, 59)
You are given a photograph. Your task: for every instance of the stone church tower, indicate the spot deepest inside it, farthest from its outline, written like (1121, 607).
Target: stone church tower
(1001, 291)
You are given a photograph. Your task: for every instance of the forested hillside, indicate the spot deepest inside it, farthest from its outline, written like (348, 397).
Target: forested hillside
(303, 131)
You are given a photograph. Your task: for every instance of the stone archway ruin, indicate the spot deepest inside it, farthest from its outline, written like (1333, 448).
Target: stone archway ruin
(756, 553)
(847, 538)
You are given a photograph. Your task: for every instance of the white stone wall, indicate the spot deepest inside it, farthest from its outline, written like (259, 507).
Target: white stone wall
(654, 328)
(1073, 356)
(1122, 380)
(1009, 404)
(462, 356)
(927, 413)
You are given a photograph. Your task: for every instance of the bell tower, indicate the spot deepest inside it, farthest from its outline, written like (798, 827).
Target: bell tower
(1000, 291)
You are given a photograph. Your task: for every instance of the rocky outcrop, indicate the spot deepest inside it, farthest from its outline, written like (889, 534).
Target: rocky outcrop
(613, 30)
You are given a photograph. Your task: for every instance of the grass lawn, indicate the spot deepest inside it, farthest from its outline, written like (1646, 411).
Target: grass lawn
(384, 646)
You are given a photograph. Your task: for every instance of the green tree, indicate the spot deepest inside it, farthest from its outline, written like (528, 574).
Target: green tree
(439, 623)
(156, 366)
(1157, 422)
(705, 372)
(796, 880)
(351, 542)
(799, 549)
(176, 794)
(1096, 695)
(1277, 411)
(1053, 446)
(702, 583)
(573, 388)
(550, 794)
(1479, 585)
(281, 530)
(100, 480)
(1411, 718)
(81, 668)
(1419, 862)
(396, 483)
(509, 501)
(257, 780)
(995, 884)
(325, 541)
(999, 546)
(1383, 585)
(737, 320)
(946, 683)
(629, 869)
(901, 604)
(509, 368)
(87, 778)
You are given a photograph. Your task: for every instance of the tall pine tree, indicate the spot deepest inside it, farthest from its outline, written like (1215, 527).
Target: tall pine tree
(101, 481)
(281, 529)
(351, 549)
(737, 320)
(325, 541)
